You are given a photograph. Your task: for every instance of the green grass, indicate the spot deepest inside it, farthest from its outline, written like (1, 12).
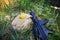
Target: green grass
(41, 9)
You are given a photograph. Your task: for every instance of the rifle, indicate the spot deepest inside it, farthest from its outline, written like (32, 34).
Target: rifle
(43, 32)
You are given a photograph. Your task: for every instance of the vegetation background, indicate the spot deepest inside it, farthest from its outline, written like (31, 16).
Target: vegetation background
(42, 9)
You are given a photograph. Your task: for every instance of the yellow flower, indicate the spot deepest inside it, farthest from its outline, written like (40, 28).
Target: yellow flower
(22, 16)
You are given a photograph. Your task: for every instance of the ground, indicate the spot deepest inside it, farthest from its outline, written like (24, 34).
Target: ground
(41, 9)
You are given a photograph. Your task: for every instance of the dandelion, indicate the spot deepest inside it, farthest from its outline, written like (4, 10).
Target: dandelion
(22, 16)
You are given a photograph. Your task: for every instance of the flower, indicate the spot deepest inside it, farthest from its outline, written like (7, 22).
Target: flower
(22, 16)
